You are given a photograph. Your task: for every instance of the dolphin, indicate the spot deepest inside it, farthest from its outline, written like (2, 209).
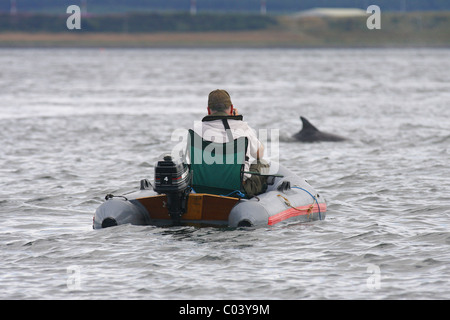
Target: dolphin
(309, 133)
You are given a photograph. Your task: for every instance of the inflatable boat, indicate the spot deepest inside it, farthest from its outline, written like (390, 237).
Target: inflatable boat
(171, 200)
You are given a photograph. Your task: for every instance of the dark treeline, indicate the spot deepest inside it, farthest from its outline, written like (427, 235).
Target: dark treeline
(137, 22)
(275, 6)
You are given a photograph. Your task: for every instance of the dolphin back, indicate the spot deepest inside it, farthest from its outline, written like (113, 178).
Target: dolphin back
(310, 133)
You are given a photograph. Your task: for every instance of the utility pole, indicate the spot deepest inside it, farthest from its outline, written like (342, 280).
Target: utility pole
(403, 4)
(13, 9)
(83, 7)
(263, 7)
(193, 7)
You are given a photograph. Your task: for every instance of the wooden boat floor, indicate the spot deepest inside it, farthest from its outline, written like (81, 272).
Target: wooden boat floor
(200, 206)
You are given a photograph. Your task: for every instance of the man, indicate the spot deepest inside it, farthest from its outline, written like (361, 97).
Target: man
(222, 116)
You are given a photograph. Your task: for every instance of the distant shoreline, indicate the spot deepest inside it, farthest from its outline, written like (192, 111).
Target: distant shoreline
(398, 30)
(243, 39)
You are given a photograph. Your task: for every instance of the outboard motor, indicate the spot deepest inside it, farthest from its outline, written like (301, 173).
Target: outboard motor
(173, 179)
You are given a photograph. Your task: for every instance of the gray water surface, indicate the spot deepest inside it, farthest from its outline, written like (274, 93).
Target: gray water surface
(78, 124)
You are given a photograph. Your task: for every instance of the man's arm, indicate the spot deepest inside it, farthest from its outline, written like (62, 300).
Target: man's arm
(260, 152)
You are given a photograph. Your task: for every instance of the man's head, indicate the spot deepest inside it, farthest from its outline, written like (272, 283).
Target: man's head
(219, 100)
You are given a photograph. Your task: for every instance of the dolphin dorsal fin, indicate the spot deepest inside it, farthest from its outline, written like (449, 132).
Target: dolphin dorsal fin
(307, 125)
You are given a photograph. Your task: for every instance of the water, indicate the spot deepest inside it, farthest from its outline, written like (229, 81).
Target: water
(77, 124)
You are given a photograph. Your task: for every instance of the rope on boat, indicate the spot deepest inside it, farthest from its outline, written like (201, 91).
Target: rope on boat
(110, 196)
(239, 193)
(315, 199)
(288, 203)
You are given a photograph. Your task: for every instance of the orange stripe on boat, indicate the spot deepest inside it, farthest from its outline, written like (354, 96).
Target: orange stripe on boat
(294, 212)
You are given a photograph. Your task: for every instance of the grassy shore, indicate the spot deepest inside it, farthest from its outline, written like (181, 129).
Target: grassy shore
(250, 39)
(416, 29)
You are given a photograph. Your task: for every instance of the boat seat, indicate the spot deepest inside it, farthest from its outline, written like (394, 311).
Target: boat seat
(217, 168)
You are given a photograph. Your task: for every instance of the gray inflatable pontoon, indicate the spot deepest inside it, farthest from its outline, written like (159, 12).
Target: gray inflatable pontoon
(287, 198)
